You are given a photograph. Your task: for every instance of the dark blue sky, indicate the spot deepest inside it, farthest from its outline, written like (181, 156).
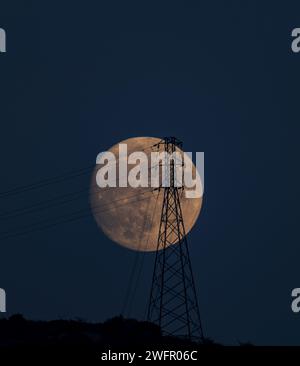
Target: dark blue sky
(219, 75)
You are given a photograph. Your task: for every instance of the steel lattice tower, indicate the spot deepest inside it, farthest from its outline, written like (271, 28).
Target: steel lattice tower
(173, 301)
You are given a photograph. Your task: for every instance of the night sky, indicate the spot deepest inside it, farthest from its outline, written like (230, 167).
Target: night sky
(79, 77)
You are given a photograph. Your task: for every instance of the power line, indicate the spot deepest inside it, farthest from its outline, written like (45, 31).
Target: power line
(46, 204)
(49, 203)
(46, 182)
(139, 273)
(69, 218)
(54, 180)
(134, 267)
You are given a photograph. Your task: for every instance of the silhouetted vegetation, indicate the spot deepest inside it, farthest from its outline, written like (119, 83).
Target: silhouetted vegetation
(77, 339)
(113, 333)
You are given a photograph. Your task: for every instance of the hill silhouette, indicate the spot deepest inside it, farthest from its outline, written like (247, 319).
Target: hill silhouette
(17, 331)
(75, 339)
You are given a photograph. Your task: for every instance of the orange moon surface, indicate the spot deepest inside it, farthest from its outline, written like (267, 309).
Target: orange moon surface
(131, 216)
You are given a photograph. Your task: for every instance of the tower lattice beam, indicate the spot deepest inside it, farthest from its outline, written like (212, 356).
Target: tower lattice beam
(173, 301)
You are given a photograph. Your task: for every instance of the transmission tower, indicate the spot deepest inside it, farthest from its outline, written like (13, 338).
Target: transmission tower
(173, 301)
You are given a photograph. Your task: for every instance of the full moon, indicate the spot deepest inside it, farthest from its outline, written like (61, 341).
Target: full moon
(131, 216)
